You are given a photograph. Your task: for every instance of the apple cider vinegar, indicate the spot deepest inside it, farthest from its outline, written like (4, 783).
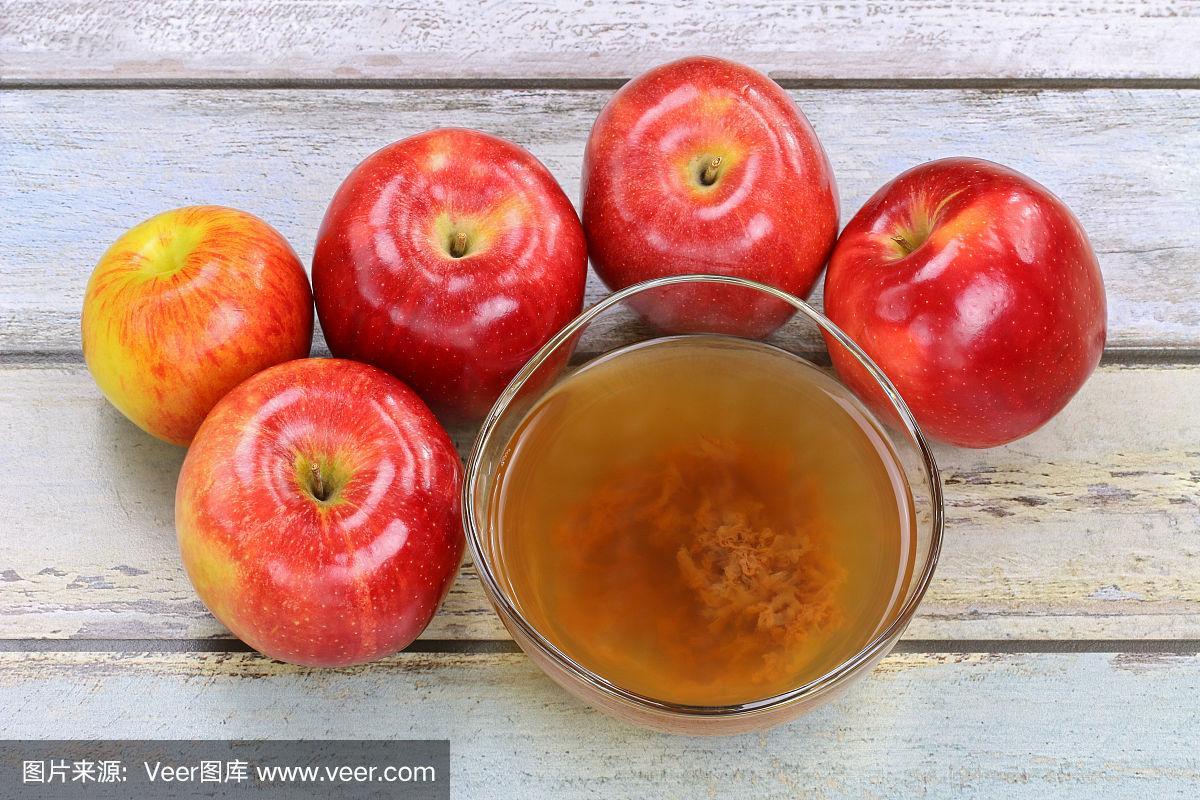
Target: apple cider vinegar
(703, 520)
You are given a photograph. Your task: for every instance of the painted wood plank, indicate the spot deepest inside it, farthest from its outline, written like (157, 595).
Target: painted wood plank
(931, 726)
(90, 549)
(79, 167)
(71, 40)
(1089, 528)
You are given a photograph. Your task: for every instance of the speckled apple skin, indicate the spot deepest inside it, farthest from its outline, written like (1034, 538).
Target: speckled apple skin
(187, 305)
(770, 216)
(321, 584)
(455, 329)
(993, 323)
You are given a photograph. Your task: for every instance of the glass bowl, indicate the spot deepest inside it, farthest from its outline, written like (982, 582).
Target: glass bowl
(616, 322)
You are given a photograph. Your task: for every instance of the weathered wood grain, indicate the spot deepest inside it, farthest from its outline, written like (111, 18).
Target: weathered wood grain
(72, 40)
(931, 726)
(1089, 528)
(79, 167)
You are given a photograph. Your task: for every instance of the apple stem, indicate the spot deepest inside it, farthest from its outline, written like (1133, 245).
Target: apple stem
(458, 245)
(318, 482)
(904, 244)
(709, 176)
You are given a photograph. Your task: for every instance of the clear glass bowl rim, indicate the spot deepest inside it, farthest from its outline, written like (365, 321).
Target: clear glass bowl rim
(871, 650)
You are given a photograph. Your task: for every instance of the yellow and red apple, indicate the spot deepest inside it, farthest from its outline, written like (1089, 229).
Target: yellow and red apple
(318, 512)
(187, 305)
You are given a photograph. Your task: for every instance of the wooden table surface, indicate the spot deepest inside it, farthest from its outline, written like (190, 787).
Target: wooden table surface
(1057, 653)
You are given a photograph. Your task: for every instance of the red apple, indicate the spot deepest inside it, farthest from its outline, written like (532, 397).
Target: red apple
(975, 289)
(187, 305)
(318, 513)
(706, 166)
(448, 259)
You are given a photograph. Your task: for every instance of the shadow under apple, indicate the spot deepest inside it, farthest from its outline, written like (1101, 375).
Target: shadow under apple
(136, 470)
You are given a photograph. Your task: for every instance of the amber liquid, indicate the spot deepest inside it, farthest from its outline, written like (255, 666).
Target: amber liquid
(703, 520)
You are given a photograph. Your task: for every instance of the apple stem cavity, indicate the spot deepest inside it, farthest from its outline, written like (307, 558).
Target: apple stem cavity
(709, 176)
(318, 488)
(458, 245)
